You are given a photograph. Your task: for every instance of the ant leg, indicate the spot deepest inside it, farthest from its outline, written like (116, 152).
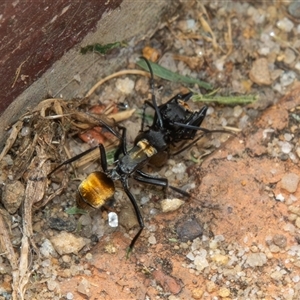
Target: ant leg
(109, 128)
(146, 103)
(188, 145)
(154, 103)
(70, 160)
(160, 181)
(122, 147)
(138, 215)
(103, 159)
(196, 128)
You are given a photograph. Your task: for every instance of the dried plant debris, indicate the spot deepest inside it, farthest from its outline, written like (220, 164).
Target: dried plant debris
(36, 140)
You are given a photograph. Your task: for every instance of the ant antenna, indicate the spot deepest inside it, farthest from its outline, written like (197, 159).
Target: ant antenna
(152, 92)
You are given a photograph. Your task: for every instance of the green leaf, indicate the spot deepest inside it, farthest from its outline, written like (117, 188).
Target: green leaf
(75, 210)
(164, 73)
(101, 49)
(241, 99)
(110, 156)
(173, 240)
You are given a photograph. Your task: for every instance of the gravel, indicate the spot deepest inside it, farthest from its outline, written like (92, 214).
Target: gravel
(290, 182)
(65, 243)
(168, 205)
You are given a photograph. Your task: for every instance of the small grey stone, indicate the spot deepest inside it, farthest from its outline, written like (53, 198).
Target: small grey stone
(168, 205)
(188, 230)
(259, 72)
(65, 243)
(47, 249)
(62, 225)
(280, 240)
(52, 284)
(13, 196)
(84, 287)
(289, 182)
(256, 259)
(294, 9)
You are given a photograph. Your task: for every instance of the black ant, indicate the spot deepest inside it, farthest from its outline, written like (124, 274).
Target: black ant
(173, 122)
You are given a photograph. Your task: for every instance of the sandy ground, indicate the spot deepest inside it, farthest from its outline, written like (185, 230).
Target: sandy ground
(248, 217)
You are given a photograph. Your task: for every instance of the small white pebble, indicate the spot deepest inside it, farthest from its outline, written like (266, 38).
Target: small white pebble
(297, 222)
(256, 259)
(279, 197)
(274, 249)
(77, 78)
(84, 287)
(286, 147)
(85, 220)
(65, 243)
(25, 131)
(66, 258)
(47, 249)
(287, 78)
(292, 156)
(168, 205)
(276, 275)
(125, 85)
(289, 182)
(293, 198)
(278, 88)
(219, 64)
(243, 121)
(200, 262)
(219, 238)
(190, 256)
(113, 219)
(296, 278)
(152, 228)
(289, 56)
(297, 65)
(210, 111)
(152, 239)
(89, 256)
(266, 132)
(288, 137)
(264, 51)
(190, 24)
(51, 284)
(285, 24)
(237, 111)
(229, 157)
(179, 168)
(69, 296)
(145, 199)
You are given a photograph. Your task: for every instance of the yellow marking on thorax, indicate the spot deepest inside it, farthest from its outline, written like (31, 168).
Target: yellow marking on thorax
(147, 148)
